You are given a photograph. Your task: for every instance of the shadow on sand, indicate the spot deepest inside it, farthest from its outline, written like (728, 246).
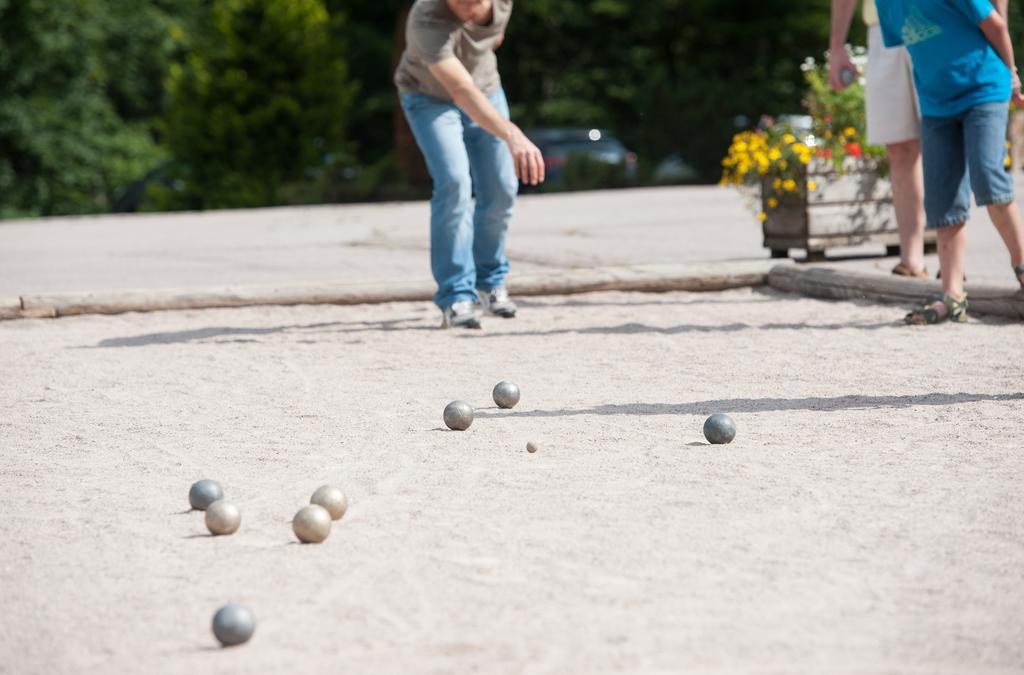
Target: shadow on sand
(637, 328)
(208, 334)
(757, 405)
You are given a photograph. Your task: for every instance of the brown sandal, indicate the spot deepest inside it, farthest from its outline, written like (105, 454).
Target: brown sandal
(902, 270)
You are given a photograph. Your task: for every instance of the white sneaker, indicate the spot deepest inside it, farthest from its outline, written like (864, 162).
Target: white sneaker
(461, 314)
(498, 303)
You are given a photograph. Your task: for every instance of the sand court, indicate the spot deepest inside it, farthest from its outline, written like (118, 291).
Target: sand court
(868, 517)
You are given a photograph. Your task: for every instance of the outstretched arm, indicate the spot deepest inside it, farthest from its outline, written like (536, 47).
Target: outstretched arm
(996, 32)
(457, 81)
(838, 60)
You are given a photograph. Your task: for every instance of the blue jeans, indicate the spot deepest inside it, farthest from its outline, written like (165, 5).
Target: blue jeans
(962, 153)
(467, 243)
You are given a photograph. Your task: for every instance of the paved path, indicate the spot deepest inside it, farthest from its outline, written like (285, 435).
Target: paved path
(381, 242)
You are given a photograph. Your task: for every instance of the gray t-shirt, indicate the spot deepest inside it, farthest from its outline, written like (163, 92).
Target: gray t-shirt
(433, 34)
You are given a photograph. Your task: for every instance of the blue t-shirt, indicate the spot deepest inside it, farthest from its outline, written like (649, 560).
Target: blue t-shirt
(955, 67)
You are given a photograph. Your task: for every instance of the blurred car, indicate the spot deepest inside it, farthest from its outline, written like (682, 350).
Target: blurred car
(802, 127)
(674, 170)
(558, 144)
(799, 123)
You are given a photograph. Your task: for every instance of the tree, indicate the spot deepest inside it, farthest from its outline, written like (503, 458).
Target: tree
(63, 146)
(669, 76)
(367, 34)
(140, 40)
(261, 100)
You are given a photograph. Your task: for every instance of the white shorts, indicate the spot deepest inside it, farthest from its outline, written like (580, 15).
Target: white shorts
(894, 115)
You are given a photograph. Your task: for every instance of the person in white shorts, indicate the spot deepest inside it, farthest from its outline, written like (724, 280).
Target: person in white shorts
(894, 120)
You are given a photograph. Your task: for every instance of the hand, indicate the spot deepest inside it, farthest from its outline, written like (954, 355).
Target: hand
(839, 60)
(1016, 97)
(526, 156)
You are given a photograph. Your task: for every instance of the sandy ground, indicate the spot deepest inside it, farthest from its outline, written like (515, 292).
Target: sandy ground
(869, 517)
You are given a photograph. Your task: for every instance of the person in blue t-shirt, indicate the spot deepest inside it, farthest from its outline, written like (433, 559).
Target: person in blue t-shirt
(965, 77)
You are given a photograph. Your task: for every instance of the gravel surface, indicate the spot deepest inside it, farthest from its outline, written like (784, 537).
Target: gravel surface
(867, 519)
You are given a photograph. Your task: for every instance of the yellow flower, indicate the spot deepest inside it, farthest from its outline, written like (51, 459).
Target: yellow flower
(762, 216)
(789, 185)
(789, 138)
(811, 185)
(783, 165)
(849, 132)
(774, 154)
(828, 134)
(777, 184)
(772, 202)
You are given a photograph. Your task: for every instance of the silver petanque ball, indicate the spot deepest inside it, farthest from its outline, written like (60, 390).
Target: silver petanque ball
(203, 493)
(233, 625)
(332, 499)
(458, 415)
(312, 524)
(719, 429)
(222, 518)
(506, 395)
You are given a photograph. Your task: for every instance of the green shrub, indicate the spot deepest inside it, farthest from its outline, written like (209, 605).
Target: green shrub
(259, 103)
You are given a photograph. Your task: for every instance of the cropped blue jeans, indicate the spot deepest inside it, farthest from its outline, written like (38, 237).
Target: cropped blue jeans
(960, 154)
(467, 240)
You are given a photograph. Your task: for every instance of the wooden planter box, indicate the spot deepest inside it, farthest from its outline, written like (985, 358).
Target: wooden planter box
(845, 210)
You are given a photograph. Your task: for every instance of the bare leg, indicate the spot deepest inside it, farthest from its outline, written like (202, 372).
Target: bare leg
(1007, 219)
(952, 246)
(952, 242)
(908, 200)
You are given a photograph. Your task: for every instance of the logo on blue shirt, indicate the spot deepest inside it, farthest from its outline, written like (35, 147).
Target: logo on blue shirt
(917, 29)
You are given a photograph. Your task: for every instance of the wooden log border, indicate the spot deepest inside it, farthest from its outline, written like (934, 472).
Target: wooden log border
(647, 278)
(816, 282)
(10, 308)
(837, 284)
